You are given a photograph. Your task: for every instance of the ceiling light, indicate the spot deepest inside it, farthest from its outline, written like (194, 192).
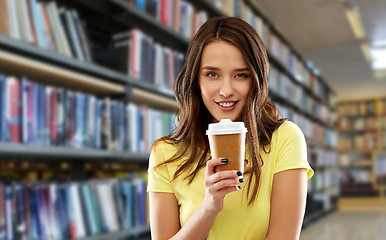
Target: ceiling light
(366, 51)
(378, 53)
(379, 56)
(353, 16)
(354, 19)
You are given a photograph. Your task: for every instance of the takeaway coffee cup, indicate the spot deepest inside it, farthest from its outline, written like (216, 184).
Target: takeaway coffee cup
(227, 140)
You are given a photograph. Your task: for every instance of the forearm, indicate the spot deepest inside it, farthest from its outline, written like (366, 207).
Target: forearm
(198, 225)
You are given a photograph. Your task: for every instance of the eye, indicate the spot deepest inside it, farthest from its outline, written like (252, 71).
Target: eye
(242, 75)
(212, 75)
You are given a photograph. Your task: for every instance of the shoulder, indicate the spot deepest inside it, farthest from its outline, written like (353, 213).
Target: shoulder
(161, 151)
(165, 146)
(289, 128)
(288, 132)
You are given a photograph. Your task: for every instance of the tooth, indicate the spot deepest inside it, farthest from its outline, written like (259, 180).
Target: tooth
(227, 104)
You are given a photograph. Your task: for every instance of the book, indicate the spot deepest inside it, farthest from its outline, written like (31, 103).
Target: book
(176, 15)
(118, 200)
(4, 18)
(82, 36)
(27, 208)
(43, 212)
(24, 20)
(90, 123)
(3, 220)
(73, 35)
(80, 109)
(123, 125)
(106, 124)
(40, 212)
(37, 21)
(41, 114)
(164, 12)
(8, 211)
(114, 126)
(97, 127)
(24, 109)
(140, 212)
(52, 202)
(135, 53)
(34, 231)
(62, 211)
(20, 227)
(107, 206)
(47, 29)
(79, 229)
(13, 114)
(96, 205)
(54, 27)
(68, 34)
(60, 118)
(4, 133)
(13, 19)
(58, 28)
(126, 192)
(90, 212)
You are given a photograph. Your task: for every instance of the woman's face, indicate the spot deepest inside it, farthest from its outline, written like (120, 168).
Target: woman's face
(224, 81)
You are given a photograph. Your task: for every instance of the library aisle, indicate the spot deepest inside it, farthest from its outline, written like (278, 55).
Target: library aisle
(347, 226)
(86, 86)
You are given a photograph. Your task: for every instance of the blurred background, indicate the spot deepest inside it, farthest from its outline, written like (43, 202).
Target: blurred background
(87, 86)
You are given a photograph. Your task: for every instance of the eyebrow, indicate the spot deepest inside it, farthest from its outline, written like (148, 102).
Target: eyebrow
(215, 68)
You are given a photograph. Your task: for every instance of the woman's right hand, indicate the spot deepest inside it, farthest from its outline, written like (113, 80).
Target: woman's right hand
(219, 184)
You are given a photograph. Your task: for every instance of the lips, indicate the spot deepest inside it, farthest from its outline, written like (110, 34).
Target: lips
(227, 105)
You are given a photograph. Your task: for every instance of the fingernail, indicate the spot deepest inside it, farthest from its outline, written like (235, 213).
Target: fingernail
(239, 173)
(246, 160)
(239, 187)
(224, 160)
(241, 180)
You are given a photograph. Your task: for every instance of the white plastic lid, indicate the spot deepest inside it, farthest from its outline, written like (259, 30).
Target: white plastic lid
(226, 126)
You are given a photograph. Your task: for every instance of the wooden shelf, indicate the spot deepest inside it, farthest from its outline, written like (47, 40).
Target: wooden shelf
(369, 151)
(121, 234)
(362, 166)
(53, 75)
(362, 204)
(142, 96)
(38, 54)
(25, 152)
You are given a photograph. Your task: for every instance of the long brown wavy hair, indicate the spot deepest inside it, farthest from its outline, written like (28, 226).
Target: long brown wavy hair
(261, 117)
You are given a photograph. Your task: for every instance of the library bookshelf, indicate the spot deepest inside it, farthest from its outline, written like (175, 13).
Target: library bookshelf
(85, 61)
(361, 126)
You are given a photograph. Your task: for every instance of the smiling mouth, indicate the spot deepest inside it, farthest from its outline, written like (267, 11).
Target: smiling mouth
(227, 104)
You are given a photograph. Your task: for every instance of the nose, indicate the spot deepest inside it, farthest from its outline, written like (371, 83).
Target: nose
(227, 89)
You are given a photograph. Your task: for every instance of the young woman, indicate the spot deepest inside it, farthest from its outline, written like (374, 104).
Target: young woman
(226, 76)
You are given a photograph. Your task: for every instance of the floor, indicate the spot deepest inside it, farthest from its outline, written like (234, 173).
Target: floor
(347, 226)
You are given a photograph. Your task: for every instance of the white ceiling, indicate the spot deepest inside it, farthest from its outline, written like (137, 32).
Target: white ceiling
(320, 31)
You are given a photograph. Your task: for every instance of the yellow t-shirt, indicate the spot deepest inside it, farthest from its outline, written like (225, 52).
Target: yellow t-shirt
(237, 220)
